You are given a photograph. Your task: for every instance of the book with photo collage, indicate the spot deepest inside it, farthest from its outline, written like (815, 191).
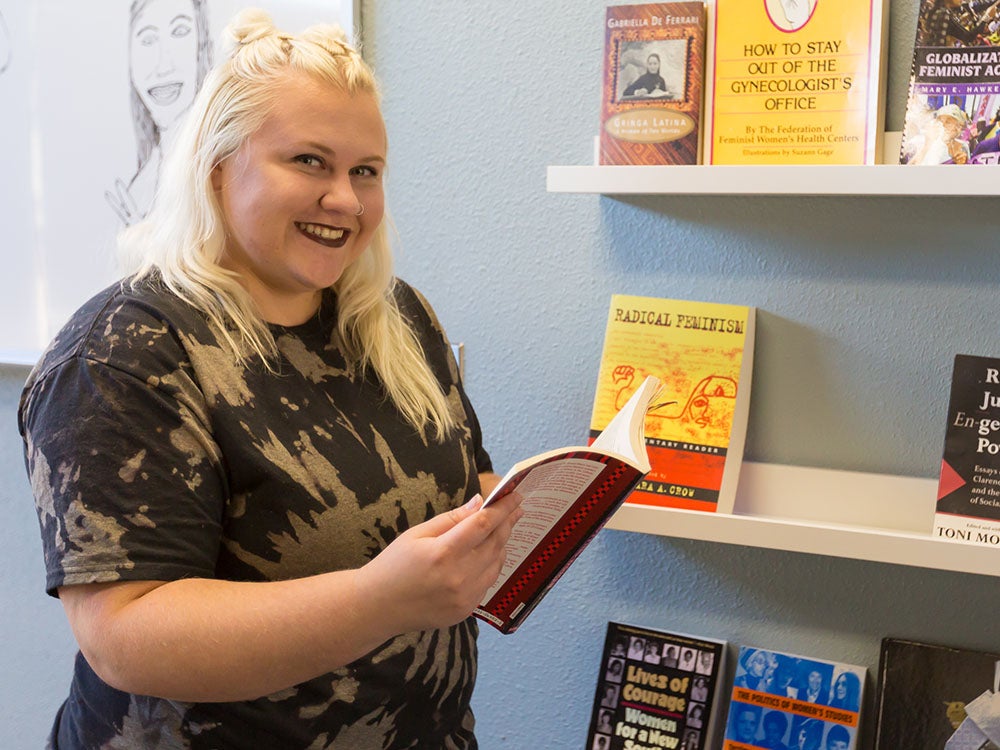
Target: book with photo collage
(953, 107)
(657, 688)
(787, 700)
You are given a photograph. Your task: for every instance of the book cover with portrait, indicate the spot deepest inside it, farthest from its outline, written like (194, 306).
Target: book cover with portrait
(968, 502)
(788, 700)
(795, 81)
(953, 106)
(937, 697)
(702, 353)
(657, 688)
(653, 69)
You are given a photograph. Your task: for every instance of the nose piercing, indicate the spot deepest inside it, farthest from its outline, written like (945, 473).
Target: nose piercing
(361, 209)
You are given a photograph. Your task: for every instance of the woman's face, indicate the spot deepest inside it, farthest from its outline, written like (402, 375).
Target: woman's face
(841, 687)
(290, 195)
(757, 664)
(163, 58)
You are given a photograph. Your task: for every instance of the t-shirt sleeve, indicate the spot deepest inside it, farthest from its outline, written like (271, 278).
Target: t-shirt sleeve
(128, 482)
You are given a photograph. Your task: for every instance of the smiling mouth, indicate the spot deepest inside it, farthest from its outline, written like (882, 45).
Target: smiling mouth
(323, 234)
(166, 93)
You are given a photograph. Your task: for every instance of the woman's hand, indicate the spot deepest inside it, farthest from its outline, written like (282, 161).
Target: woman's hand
(434, 575)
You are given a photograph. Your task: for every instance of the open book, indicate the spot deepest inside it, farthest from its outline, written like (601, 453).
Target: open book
(568, 496)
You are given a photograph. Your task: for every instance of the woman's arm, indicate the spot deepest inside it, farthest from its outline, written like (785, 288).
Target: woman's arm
(207, 640)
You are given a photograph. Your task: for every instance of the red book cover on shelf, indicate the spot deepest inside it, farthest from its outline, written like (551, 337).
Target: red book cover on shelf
(654, 57)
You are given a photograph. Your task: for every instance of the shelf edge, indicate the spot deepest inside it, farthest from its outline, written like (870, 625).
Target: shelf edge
(858, 534)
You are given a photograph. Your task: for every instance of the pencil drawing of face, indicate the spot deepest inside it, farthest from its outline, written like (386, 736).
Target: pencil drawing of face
(169, 54)
(163, 58)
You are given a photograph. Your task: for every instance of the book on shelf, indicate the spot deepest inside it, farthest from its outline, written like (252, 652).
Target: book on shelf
(653, 69)
(937, 697)
(702, 353)
(780, 699)
(795, 81)
(568, 494)
(656, 689)
(968, 501)
(953, 103)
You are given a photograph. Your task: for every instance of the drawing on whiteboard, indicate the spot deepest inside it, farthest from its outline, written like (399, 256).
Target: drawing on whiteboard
(4, 45)
(170, 52)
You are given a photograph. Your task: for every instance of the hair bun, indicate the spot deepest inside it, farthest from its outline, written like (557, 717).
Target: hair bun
(249, 25)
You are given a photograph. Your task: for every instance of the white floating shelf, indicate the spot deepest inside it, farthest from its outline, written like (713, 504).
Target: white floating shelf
(855, 515)
(27, 357)
(777, 179)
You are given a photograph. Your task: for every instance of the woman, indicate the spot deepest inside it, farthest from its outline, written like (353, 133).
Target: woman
(255, 469)
(846, 692)
(170, 52)
(754, 665)
(808, 734)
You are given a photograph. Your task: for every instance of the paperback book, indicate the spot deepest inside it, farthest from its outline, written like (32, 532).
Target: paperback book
(935, 697)
(568, 495)
(954, 96)
(653, 69)
(968, 502)
(795, 81)
(786, 700)
(657, 689)
(702, 352)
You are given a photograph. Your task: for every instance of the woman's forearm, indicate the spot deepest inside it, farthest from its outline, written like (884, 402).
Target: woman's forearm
(207, 640)
(202, 640)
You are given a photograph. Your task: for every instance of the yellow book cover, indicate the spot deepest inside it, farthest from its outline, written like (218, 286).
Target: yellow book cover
(702, 352)
(795, 82)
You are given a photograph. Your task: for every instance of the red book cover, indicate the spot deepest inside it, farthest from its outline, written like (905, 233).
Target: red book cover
(654, 56)
(568, 495)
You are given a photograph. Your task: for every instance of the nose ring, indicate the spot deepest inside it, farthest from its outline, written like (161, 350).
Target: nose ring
(361, 209)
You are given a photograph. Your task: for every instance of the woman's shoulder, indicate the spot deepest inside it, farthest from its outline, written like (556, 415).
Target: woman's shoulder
(414, 305)
(122, 321)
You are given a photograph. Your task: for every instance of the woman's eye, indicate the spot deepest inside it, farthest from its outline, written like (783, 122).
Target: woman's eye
(365, 171)
(309, 160)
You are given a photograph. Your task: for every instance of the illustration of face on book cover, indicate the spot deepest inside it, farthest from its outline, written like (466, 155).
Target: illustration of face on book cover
(702, 354)
(782, 700)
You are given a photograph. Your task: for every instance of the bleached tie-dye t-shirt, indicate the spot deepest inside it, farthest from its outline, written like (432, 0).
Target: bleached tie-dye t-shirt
(154, 456)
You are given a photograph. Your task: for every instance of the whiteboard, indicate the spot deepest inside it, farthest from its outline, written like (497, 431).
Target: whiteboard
(70, 178)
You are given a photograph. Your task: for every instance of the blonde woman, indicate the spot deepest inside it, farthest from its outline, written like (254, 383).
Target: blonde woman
(257, 475)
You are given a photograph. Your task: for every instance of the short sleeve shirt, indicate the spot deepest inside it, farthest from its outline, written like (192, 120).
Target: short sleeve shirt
(155, 455)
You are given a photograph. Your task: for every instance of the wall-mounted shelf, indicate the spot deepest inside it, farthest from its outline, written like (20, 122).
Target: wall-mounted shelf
(26, 357)
(856, 515)
(777, 179)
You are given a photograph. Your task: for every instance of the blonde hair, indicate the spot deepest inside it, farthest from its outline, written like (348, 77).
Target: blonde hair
(183, 237)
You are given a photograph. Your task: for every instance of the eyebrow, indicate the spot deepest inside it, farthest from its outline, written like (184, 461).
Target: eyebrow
(329, 151)
(175, 19)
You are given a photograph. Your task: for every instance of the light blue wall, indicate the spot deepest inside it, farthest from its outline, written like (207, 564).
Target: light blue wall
(863, 302)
